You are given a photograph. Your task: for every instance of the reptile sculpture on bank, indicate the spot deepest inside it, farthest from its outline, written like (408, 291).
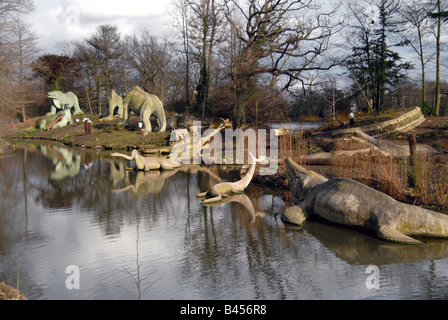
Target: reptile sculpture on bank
(144, 105)
(148, 163)
(349, 203)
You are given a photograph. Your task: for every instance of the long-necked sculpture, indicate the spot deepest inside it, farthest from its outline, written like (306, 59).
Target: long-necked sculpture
(148, 163)
(224, 189)
(349, 203)
(144, 105)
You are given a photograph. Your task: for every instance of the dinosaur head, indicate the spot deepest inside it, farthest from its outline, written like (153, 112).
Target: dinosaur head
(301, 180)
(53, 94)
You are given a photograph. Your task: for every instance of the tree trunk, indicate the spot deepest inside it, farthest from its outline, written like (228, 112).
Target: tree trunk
(439, 25)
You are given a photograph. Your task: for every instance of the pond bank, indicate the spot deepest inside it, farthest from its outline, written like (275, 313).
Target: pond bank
(9, 293)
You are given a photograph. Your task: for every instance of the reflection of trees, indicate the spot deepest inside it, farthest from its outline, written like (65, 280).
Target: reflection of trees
(223, 249)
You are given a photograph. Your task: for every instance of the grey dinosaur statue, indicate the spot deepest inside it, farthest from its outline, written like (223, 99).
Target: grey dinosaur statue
(149, 163)
(60, 101)
(115, 104)
(224, 189)
(144, 105)
(349, 203)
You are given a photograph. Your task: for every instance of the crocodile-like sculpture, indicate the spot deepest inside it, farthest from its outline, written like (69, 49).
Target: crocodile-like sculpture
(150, 163)
(347, 202)
(224, 189)
(144, 105)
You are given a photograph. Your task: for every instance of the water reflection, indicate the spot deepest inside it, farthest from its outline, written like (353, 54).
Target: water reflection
(66, 162)
(239, 249)
(356, 247)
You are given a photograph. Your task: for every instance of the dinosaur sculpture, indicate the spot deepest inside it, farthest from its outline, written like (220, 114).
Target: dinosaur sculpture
(349, 203)
(171, 162)
(224, 189)
(149, 163)
(144, 105)
(60, 101)
(54, 121)
(115, 105)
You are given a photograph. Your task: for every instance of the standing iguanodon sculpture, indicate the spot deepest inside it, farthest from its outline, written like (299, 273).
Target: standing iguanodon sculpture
(350, 203)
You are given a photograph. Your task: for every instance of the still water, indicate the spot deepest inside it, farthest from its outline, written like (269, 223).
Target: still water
(61, 207)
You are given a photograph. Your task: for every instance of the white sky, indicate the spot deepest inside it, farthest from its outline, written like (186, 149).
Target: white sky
(56, 20)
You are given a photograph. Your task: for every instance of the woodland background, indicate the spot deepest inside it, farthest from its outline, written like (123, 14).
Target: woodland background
(251, 61)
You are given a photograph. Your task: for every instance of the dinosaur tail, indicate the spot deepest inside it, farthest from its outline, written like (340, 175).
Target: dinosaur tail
(422, 222)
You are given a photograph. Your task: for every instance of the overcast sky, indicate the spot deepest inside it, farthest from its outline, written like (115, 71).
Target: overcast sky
(56, 20)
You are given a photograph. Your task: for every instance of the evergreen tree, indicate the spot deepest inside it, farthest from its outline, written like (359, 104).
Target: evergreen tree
(373, 62)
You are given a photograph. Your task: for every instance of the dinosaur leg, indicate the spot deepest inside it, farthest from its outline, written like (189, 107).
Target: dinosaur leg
(201, 195)
(294, 215)
(212, 200)
(126, 115)
(394, 235)
(145, 118)
(167, 164)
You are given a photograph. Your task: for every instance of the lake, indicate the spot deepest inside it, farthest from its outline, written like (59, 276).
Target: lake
(77, 217)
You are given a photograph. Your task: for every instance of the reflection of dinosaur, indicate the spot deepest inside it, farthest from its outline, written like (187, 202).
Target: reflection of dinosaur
(356, 248)
(66, 162)
(350, 203)
(118, 173)
(148, 183)
(148, 163)
(224, 189)
(245, 201)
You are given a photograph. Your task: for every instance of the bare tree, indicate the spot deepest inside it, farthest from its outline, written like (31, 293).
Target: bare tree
(181, 13)
(151, 63)
(437, 11)
(17, 47)
(415, 32)
(205, 21)
(106, 43)
(11, 7)
(283, 38)
(332, 94)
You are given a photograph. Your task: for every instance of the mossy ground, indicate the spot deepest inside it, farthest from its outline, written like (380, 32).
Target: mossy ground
(106, 134)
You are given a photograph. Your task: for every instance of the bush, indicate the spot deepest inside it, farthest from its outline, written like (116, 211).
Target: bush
(427, 110)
